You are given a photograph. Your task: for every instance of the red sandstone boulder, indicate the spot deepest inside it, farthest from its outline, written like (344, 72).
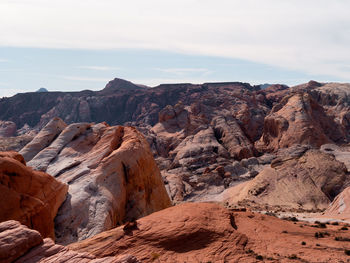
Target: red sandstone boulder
(31, 197)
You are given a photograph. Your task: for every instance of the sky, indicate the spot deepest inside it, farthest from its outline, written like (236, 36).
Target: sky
(75, 45)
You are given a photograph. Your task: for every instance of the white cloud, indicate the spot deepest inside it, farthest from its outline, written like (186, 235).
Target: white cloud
(99, 68)
(312, 36)
(4, 60)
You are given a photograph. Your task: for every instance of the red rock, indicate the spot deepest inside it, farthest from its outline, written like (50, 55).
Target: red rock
(28, 196)
(297, 119)
(184, 233)
(16, 240)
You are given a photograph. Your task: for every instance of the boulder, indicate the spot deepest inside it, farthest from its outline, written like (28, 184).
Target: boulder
(31, 197)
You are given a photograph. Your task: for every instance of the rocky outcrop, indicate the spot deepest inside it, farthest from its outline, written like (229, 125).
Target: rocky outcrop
(207, 232)
(308, 182)
(7, 129)
(298, 119)
(111, 173)
(43, 139)
(184, 233)
(22, 245)
(31, 197)
(340, 205)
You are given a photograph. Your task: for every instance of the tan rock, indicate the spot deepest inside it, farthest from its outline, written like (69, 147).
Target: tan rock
(28, 196)
(309, 182)
(340, 207)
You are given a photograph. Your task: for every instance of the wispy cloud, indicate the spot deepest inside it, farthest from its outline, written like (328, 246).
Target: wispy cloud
(183, 71)
(295, 34)
(4, 60)
(82, 78)
(99, 68)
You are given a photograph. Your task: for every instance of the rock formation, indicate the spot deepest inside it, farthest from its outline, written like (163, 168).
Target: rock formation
(184, 233)
(7, 129)
(22, 245)
(298, 119)
(206, 232)
(308, 182)
(111, 173)
(31, 197)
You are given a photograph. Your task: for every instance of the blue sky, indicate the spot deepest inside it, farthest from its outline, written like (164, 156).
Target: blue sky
(75, 45)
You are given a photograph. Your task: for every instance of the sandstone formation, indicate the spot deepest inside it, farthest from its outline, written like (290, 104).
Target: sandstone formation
(185, 233)
(7, 129)
(308, 182)
(298, 119)
(206, 232)
(111, 173)
(340, 207)
(31, 197)
(22, 245)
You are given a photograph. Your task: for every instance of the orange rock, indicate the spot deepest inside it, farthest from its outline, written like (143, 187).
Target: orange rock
(28, 196)
(188, 232)
(22, 245)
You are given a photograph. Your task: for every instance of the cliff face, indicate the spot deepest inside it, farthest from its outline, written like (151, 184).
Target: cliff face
(111, 173)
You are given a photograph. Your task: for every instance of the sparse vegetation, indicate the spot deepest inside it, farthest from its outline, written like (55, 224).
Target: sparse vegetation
(321, 234)
(293, 256)
(259, 257)
(345, 239)
(344, 228)
(303, 243)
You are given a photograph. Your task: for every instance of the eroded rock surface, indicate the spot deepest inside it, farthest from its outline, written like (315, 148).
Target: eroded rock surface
(111, 173)
(31, 197)
(184, 233)
(7, 129)
(308, 182)
(20, 244)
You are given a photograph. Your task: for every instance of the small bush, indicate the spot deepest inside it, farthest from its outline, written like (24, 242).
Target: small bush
(284, 231)
(344, 228)
(259, 257)
(335, 223)
(345, 239)
(347, 252)
(318, 245)
(293, 256)
(321, 234)
(303, 243)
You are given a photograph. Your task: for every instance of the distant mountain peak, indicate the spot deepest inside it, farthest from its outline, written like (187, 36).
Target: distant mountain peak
(120, 84)
(42, 90)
